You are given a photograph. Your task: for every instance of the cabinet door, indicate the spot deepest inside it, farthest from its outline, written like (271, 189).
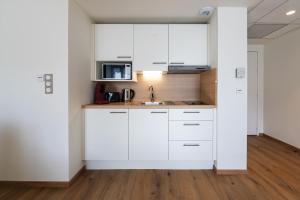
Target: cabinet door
(188, 44)
(148, 134)
(114, 42)
(106, 134)
(151, 47)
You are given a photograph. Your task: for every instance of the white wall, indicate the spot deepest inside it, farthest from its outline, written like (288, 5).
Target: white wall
(33, 126)
(213, 40)
(80, 85)
(231, 104)
(282, 88)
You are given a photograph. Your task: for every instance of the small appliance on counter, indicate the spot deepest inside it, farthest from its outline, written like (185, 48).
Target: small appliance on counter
(127, 94)
(112, 96)
(99, 96)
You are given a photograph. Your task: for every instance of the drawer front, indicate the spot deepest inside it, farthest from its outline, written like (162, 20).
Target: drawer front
(190, 150)
(191, 114)
(190, 130)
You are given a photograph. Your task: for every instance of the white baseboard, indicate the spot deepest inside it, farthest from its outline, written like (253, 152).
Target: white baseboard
(130, 164)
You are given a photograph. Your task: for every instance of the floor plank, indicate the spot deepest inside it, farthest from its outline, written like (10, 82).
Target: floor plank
(273, 173)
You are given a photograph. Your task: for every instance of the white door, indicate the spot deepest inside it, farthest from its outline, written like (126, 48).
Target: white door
(252, 93)
(188, 44)
(148, 134)
(150, 47)
(113, 42)
(106, 134)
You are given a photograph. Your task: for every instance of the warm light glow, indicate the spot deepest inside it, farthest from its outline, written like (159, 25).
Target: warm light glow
(291, 12)
(152, 74)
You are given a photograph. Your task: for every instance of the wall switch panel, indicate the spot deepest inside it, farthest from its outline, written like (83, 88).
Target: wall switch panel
(240, 72)
(48, 79)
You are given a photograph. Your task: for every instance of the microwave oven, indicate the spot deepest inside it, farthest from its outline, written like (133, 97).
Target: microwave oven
(114, 71)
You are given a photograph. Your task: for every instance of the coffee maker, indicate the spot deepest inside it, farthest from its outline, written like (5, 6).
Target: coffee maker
(99, 96)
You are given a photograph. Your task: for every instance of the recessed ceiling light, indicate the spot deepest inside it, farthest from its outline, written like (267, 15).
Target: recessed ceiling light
(291, 12)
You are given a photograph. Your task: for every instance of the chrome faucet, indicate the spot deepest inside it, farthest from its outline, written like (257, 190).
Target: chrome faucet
(152, 98)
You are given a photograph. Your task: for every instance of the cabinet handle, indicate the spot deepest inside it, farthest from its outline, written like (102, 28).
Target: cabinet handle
(123, 56)
(191, 145)
(177, 63)
(156, 112)
(191, 124)
(189, 112)
(159, 63)
(118, 112)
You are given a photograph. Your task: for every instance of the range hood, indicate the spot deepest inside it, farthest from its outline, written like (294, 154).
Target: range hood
(187, 69)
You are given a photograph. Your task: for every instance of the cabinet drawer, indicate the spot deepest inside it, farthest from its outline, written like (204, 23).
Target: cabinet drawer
(190, 130)
(190, 150)
(191, 114)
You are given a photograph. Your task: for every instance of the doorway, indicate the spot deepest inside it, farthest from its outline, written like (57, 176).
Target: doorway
(252, 124)
(255, 98)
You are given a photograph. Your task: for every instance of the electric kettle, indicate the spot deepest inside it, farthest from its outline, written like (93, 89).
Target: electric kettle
(127, 94)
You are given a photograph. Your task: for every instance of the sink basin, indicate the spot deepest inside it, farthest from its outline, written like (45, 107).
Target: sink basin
(154, 103)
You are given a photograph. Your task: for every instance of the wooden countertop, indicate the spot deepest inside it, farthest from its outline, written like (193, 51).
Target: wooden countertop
(139, 105)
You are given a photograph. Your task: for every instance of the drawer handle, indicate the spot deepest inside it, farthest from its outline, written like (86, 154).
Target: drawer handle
(159, 63)
(156, 112)
(123, 56)
(177, 63)
(118, 112)
(191, 145)
(191, 124)
(190, 112)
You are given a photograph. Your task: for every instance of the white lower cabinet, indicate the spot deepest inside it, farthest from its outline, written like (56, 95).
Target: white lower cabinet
(190, 130)
(191, 134)
(148, 134)
(191, 114)
(106, 134)
(191, 150)
(149, 138)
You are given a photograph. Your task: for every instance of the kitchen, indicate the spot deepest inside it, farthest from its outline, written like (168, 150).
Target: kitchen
(161, 99)
(188, 110)
(155, 98)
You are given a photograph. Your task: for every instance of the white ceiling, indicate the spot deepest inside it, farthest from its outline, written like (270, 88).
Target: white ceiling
(260, 12)
(268, 18)
(153, 11)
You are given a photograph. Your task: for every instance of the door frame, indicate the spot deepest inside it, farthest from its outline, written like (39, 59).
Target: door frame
(259, 49)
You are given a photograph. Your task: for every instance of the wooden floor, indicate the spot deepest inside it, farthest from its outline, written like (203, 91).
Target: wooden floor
(273, 173)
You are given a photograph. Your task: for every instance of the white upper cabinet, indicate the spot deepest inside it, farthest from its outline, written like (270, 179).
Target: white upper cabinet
(188, 44)
(113, 42)
(150, 47)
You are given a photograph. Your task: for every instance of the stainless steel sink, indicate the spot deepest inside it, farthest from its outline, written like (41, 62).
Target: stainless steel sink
(157, 103)
(153, 103)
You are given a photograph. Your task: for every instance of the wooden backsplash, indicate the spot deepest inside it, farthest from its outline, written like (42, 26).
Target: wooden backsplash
(208, 87)
(175, 87)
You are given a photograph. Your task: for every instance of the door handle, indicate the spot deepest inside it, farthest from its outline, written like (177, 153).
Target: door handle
(177, 63)
(191, 124)
(156, 112)
(190, 112)
(159, 63)
(118, 112)
(123, 56)
(191, 145)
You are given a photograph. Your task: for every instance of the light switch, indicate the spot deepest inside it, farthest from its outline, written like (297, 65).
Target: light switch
(48, 79)
(40, 78)
(240, 72)
(239, 91)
